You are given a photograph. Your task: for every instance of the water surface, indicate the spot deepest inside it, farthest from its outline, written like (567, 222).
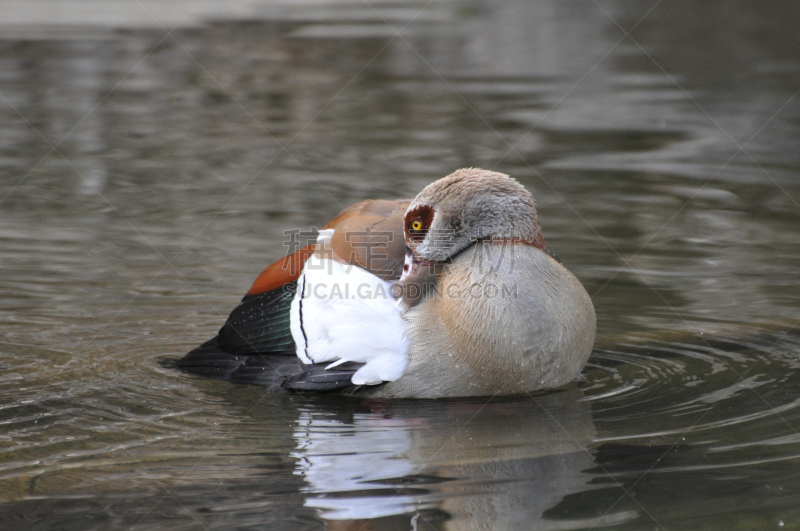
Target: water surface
(146, 178)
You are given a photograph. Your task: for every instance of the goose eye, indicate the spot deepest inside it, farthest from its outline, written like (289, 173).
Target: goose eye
(418, 222)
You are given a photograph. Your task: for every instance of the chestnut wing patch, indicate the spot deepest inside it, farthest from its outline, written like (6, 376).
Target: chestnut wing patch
(281, 272)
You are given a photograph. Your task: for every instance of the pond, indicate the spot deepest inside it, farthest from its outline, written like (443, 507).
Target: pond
(152, 156)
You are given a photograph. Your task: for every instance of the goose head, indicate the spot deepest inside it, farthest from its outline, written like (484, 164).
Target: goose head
(466, 206)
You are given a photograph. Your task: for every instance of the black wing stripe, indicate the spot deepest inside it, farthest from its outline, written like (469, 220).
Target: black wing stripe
(300, 312)
(317, 378)
(260, 324)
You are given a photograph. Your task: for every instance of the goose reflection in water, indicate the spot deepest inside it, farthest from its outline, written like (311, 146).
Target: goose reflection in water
(461, 465)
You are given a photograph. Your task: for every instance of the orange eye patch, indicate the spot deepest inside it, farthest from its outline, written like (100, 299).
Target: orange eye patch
(418, 221)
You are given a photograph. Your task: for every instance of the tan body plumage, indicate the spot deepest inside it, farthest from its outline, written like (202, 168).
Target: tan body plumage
(525, 324)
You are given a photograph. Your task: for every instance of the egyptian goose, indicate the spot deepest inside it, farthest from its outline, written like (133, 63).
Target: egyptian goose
(451, 294)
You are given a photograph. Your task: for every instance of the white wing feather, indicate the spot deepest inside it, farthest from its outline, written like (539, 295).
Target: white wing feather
(343, 313)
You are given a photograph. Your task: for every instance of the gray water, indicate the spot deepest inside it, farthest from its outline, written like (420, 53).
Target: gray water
(146, 178)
